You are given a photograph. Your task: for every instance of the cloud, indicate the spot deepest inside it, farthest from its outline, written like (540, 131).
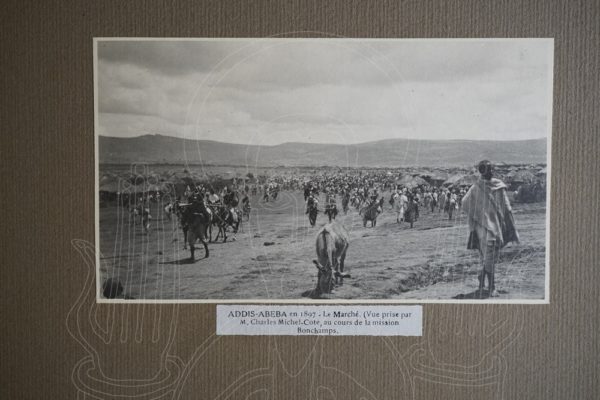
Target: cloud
(324, 91)
(167, 56)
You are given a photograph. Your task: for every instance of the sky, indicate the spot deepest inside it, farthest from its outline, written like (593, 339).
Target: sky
(345, 91)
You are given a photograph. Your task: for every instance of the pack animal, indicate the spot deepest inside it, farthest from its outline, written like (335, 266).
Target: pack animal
(223, 218)
(331, 246)
(370, 213)
(195, 227)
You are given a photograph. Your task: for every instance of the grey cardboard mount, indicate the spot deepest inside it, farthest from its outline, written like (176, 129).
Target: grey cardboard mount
(51, 350)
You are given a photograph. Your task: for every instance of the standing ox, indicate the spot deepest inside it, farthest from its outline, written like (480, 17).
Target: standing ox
(332, 244)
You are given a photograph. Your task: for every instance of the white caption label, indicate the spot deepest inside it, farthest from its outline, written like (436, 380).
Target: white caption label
(320, 320)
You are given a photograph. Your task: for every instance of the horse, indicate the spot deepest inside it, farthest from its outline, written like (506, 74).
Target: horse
(197, 226)
(222, 218)
(331, 211)
(370, 213)
(312, 213)
(185, 217)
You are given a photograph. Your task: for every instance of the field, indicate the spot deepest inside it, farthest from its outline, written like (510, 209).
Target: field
(271, 257)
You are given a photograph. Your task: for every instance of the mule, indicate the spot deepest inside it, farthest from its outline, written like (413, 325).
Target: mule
(223, 218)
(331, 211)
(196, 229)
(331, 247)
(370, 213)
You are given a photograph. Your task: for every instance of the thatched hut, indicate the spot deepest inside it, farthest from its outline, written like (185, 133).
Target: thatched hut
(411, 182)
(452, 180)
(520, 177)
(438, 178)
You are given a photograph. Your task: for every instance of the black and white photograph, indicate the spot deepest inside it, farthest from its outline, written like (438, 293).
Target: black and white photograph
(330, 170)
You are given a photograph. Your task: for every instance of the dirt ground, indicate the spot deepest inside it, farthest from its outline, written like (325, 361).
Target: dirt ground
(271, 257)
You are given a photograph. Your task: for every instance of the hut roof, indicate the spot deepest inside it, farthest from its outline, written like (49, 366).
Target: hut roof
(523, 175)
(467, 180)
(461, 180)
(439, 176)
(453, 179)
(110, 187)
(411, 181)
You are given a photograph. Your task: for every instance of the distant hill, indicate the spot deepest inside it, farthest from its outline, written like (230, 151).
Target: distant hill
(384, 153)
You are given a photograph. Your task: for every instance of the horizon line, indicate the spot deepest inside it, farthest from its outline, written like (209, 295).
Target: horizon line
(325, 143)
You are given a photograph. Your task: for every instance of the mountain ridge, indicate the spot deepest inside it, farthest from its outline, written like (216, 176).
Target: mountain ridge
(382, 153)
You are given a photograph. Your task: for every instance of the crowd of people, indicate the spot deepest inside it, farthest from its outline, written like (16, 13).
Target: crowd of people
(366, 190)
(485, 203)
(489, 230)
(359, 190)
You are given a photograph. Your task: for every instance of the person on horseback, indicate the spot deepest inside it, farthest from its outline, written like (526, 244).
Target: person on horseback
(330, 205)
(274, 190)
(307, 188)
(231, 201)
(245, 200)
(213, 198)
(311, 202)
(176, 208)
(196, 207)
(373, 199)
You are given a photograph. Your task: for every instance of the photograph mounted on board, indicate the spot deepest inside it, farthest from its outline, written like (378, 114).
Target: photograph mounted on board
(323, 170)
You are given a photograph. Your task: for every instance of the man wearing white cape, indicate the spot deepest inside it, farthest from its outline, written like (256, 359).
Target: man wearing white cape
(491, 223)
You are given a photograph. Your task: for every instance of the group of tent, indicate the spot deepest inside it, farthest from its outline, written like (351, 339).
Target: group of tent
(457, 180)
(513, 177)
